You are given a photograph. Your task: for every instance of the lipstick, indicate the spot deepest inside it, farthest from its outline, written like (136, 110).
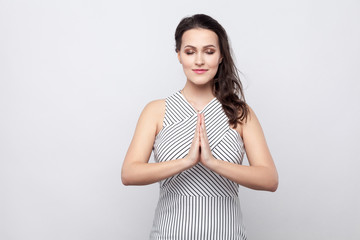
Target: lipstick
(199, 71)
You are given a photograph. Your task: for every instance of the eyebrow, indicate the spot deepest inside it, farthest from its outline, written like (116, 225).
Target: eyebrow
(210, 45)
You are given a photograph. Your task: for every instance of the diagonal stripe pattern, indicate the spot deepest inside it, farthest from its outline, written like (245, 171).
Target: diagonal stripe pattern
(197, 204)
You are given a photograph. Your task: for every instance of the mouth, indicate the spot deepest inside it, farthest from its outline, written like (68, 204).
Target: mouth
(200, 71)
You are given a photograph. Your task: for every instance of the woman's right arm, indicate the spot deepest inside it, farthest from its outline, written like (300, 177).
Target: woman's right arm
(136, 170)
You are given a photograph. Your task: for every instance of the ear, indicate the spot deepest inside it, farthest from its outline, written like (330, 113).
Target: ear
(220, 60)
(178, 55)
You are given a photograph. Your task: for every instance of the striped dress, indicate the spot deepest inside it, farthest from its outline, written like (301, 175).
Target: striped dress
(197, 204)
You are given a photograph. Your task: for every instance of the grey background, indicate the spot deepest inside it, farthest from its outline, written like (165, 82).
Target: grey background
(75, 76)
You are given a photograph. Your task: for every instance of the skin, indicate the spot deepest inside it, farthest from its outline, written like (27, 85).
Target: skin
(199, 50)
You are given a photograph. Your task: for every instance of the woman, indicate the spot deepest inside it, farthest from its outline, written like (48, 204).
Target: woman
(199, 136)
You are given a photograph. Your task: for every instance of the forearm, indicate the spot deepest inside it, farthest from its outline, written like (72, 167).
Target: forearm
(147, 173)
(254, 177)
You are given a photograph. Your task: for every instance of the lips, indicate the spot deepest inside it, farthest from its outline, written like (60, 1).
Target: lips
(199, 71)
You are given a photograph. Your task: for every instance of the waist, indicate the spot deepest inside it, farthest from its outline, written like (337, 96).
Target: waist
(191, 193)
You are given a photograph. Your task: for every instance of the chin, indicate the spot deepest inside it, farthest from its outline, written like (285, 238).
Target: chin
(200, 83)
(200, 80)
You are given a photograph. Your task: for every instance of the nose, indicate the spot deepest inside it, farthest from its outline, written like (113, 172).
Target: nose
(199, 61)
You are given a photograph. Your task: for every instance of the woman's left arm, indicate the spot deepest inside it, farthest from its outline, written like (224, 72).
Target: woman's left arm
(261, 174)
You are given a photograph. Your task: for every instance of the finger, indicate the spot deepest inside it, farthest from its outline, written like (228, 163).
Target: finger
(203, 120)
(203, 138)
(195, 145)
(204, 126)
(205, 148)
(198, 126)
(196, 134)
(201, 127)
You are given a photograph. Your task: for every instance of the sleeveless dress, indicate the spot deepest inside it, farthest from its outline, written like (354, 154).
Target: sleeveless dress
(197, 204)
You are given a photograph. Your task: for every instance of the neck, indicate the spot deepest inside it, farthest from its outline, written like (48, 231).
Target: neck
(199, 95)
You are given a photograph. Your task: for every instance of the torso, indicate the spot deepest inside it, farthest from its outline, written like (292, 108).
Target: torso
(160, 114)
(210, 200)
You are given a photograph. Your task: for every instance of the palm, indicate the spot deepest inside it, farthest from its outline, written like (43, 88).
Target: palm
(200, 149)
(194, 152)
(206, 155)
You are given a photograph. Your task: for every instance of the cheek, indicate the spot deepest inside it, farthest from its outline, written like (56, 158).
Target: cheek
(186, 62)
(214, 62)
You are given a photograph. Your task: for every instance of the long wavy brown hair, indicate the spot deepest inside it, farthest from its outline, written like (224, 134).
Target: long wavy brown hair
(227, 86)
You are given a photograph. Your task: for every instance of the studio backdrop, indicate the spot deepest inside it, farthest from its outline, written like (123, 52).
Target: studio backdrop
(75, 76)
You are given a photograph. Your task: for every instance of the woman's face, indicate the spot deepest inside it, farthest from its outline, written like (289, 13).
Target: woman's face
(200, 55)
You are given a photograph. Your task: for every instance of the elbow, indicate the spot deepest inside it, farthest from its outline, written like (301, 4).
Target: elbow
(131, 176)
(125, 178)
(128, 176)
(124, 181)
(272, 181)
(273, 184)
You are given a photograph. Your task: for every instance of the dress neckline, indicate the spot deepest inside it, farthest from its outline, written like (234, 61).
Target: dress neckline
(191, 106)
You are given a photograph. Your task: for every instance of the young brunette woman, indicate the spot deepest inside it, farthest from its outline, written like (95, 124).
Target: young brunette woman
(199, 136)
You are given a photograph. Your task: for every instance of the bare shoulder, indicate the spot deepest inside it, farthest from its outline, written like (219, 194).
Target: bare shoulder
(251, 116)
(155, 107)
(155, 110)
(251, 119)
